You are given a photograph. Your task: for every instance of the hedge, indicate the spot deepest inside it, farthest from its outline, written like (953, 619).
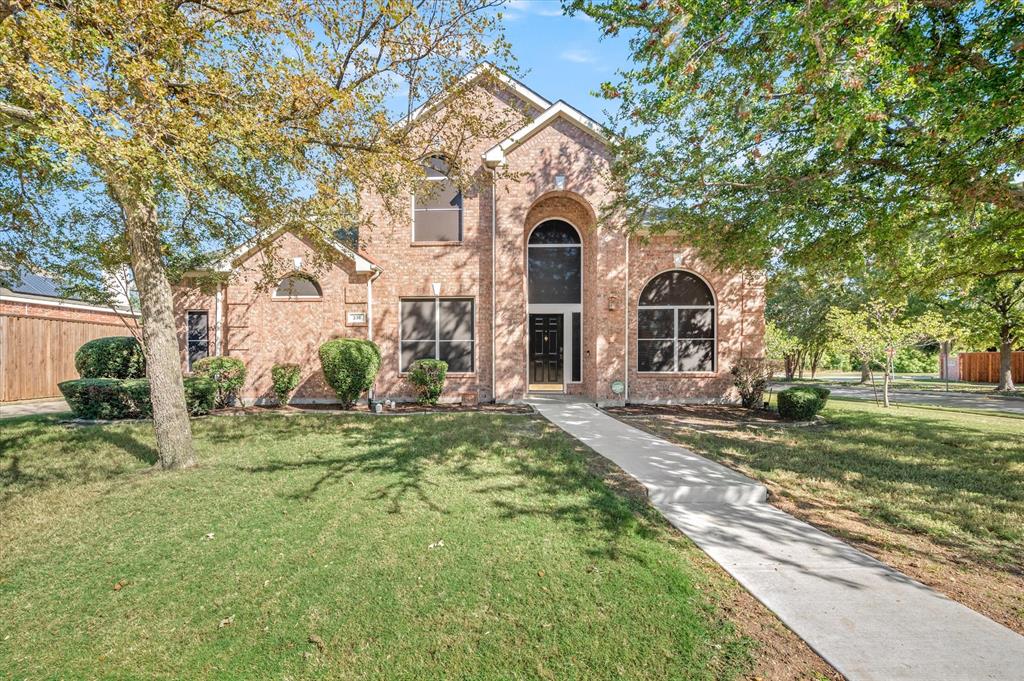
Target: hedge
(350, 367)
(801, 403)
(112, 398)
(227, 374)
(111, 357)
(428, 376)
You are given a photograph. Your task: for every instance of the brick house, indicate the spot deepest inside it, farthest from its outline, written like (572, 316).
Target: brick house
(522, 286)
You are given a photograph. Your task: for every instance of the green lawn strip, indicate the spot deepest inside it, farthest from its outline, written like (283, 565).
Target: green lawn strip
(930, 385)
(322, 526)
(954, 476)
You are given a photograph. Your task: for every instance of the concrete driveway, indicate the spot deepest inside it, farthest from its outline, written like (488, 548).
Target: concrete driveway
(950, 400)
(9, 410)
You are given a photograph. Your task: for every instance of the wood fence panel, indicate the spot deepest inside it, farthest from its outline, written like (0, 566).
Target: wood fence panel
(37, 353)
(983, 367)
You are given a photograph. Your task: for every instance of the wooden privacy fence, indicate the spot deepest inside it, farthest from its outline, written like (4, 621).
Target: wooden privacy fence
(983, 367)
(36, 353)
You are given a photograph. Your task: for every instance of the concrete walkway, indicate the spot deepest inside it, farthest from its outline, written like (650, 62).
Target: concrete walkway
(867, 620)
(32, 407)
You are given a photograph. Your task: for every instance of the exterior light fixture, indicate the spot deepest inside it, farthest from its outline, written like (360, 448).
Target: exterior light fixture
(678, 259)
(437, 288)
(298, 262)
(559, 182)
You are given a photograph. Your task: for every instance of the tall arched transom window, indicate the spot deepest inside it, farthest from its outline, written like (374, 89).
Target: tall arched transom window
(554, 263)
(676, 324)
(437, 211)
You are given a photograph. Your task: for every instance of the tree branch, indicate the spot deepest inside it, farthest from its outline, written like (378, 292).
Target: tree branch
(17, 113)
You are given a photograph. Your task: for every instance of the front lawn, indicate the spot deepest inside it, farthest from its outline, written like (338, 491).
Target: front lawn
(935, 492)
(456, 546)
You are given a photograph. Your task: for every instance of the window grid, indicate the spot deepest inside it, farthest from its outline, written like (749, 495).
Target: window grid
(458, 209)
(676, 309)
(196, 343)
(437, 332)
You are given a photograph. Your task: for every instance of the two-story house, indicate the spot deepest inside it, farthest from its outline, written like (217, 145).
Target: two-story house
(523, 286)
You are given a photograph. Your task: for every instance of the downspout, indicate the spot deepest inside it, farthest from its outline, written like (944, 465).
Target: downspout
(369, 316)
(625, 306)
(218, 314)
(494, 302)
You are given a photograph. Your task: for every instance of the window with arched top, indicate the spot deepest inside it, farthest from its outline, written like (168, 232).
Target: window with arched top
(298, 287)
(554, 264)
(676, 324)
(437, 210)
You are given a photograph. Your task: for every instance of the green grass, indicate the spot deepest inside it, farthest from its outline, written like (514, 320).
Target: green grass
(917, 384)
(322, 526)
(955, 477)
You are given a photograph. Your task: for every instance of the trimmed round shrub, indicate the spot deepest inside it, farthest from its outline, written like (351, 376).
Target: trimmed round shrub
(800, 403)
(285, 378)
(350, 367)
(112, 398)
(112, 357)
(821, 392)
(98, 398)
(428, 376)
(227, 374)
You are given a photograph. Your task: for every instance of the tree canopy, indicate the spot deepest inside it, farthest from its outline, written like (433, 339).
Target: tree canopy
(825, 133)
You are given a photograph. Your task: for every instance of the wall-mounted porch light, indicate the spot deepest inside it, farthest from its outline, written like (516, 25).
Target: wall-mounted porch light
(437, 288)
(559, 182)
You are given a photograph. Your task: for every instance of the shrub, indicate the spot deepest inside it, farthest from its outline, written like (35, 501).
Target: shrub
(97, 398)
(801, 403)
(112, 357)
(914, 361)
(820, 391)
(751, 376)
(227, 374)
(285, 378)
(112, 398)
(428, 376)
(350, 367)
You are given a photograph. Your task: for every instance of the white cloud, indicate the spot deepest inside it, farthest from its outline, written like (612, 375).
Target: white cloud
(578, 56)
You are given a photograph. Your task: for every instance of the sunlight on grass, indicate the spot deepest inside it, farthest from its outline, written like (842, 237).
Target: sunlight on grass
(461, 546)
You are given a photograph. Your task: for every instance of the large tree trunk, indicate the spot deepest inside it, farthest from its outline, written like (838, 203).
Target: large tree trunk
(170, 415)
(790, 366)
(1005, 361)
(815, 361)
(865, 371)
(885, 381)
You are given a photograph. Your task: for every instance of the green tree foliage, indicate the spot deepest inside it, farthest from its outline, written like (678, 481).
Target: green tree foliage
(826, 131)
(152, 133)
(991, 311)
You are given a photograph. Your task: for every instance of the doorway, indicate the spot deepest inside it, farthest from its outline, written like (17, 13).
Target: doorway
(547, 342)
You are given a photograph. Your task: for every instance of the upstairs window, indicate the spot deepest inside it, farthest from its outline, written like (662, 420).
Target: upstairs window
(298, 287)
(676, 324)
(437, 212)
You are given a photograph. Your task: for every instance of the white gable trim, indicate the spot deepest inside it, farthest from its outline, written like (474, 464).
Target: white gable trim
(495, 156)
(362, 263)
(479, 71)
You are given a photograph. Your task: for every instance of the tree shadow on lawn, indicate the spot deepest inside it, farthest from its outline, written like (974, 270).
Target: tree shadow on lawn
(37, 453)
(562, 479)
(900, 469)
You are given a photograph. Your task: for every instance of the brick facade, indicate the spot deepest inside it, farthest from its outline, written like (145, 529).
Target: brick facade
(561, 171)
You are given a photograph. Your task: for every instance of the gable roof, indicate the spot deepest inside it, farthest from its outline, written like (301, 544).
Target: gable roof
(362, 263)
(485, 68)
(26, 286)
(560, 110)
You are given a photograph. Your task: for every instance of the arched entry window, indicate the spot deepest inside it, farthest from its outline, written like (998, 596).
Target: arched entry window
(437, 212)
(676, 324)
(554, 264)
(298, 286)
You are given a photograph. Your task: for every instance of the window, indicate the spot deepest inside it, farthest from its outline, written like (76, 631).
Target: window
(437, 213)
(554, 266)
(298, 287)
(198, 342)
(676, 324)
(437, 328)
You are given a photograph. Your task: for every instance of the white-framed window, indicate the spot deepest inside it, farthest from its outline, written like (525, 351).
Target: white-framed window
(437, 212)
(437, 328)
(197, 323)
(676, 325)
(298, 286)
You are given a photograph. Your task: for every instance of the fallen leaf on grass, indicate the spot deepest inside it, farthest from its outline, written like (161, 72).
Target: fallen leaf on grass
(436, 545)
(317, 641)
(226, 622)
(120, 585)
(208, 537)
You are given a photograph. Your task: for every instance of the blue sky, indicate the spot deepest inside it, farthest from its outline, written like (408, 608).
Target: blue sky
(563, 57)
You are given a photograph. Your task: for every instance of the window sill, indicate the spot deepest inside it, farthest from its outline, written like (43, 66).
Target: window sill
(428, 244)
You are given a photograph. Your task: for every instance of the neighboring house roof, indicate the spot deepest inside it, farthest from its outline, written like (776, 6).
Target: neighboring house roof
(29, 287)
(560, 110)
(232, 259)
(483, 69)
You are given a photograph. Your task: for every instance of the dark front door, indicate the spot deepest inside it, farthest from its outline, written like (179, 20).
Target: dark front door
(546, 348)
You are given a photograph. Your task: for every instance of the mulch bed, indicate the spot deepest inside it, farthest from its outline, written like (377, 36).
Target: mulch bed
(718, 412)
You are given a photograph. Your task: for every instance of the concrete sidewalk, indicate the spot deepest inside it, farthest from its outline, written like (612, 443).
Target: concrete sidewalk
(10, 410)
(867, 620)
